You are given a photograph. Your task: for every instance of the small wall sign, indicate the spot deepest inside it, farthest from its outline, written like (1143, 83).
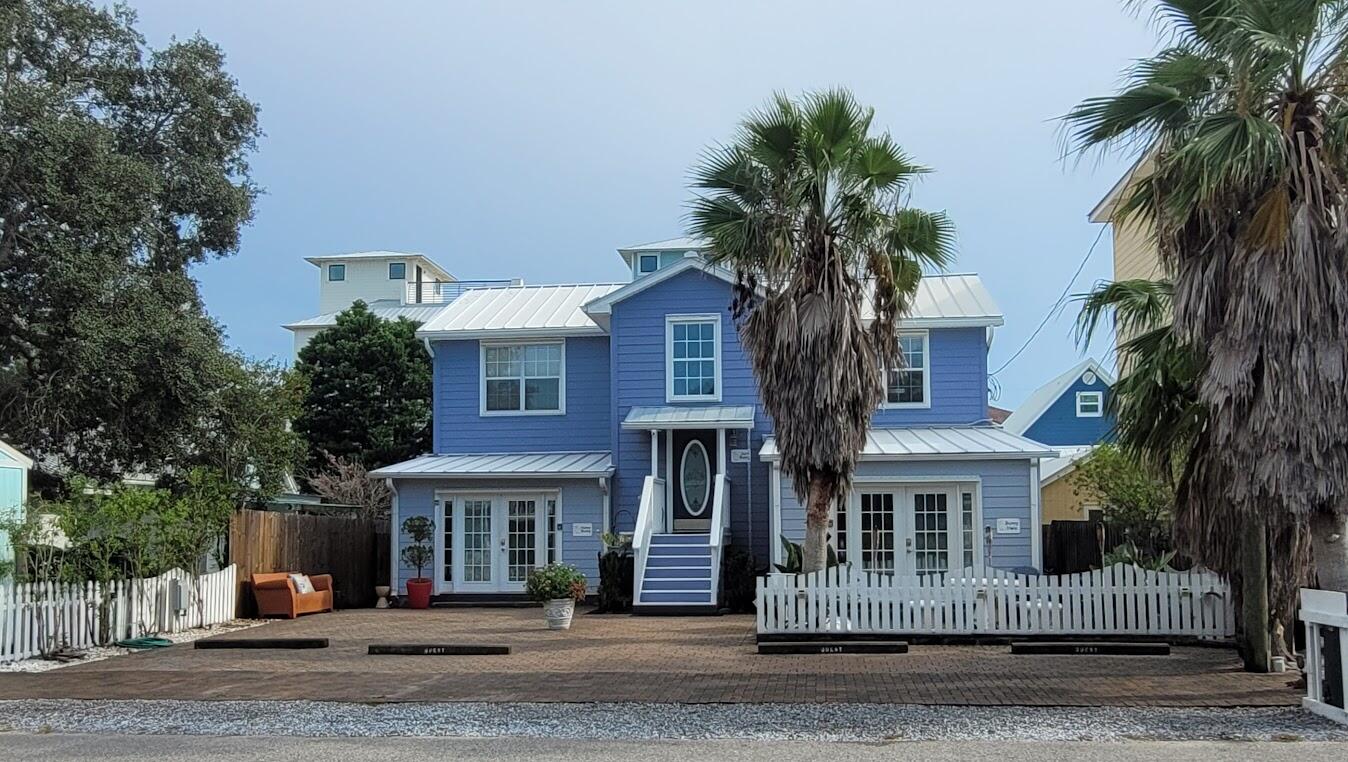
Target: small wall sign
(582, 530)
(739, 455)
(1008, 526)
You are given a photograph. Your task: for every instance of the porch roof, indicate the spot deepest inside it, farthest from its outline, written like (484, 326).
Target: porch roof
(689, 417)
(501, 464)
(940, 443)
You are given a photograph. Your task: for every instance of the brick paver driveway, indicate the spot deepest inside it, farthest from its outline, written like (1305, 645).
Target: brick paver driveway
(620, 658)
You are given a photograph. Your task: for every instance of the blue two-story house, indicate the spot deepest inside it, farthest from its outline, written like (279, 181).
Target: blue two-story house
(563, 412)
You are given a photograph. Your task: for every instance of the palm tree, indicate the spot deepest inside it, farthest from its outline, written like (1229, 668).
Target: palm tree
(808, 207)
(1245, 125)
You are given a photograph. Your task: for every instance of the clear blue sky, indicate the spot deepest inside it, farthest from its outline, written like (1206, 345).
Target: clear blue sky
(532, 140)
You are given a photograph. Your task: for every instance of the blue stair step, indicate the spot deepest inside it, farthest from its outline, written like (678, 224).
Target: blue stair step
(680, 539)
(681, 596)
(701, 585)
(659, 551)
(656, 561)
(679, 572)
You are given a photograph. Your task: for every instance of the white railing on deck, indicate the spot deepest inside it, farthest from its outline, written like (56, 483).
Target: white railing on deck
(720, 514)
(1119, 600)
(44, 616)
(1326, 616)
(650, 521)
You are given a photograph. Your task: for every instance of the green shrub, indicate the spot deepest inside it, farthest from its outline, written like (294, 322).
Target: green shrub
(794, 556)
(617, 576)
(739, 579)
(554, 581)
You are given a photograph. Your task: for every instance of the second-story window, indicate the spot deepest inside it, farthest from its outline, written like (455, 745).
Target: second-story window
(523, 378)
(336, 272)
(910, 386)
(397, 271)
(648, 263)
(693, 357)
(1090, 404)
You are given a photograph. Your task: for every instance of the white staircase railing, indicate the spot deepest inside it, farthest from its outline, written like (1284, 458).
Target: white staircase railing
(650, 521)
(720, 519)
(1326, 616)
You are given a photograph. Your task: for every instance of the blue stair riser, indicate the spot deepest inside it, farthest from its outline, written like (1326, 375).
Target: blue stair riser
(680, 597)
(657, 561)
(658, 551)
(681, 539)
(674, 572)
(701, 585)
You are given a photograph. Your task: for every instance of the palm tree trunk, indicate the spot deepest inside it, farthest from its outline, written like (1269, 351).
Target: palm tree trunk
(1254, 595)
(1329, 541)
(814, 554)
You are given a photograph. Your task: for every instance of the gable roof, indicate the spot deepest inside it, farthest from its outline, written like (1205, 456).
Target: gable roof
(16, 456)
(602, 307)
(1042, 398)
(518, 312)
(388, 309)
(1053, 469)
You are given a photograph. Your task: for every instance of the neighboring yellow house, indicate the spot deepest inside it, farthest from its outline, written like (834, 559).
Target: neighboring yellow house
(1058, 498)
(1135, 255)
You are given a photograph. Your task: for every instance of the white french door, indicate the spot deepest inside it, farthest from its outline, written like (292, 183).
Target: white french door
(489, 542)
(907, 529)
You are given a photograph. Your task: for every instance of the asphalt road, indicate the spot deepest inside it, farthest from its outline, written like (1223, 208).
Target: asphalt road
(53, 747)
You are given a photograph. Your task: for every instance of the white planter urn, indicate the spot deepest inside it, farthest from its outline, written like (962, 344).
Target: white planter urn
(382, 592)
(558, 613)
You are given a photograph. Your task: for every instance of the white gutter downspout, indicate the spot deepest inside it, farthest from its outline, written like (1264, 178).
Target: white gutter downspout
(603, 488)
(393, 532)
(1036, 517)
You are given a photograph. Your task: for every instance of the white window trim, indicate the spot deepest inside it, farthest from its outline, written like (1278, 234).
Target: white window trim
(1099, 398)
(951, 485)
(482, 380)
(636, 265)
(925, 404)
(670, 321)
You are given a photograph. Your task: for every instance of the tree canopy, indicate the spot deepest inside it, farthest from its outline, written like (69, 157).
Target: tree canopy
(121, 166)
(808, 205)
(369, 391)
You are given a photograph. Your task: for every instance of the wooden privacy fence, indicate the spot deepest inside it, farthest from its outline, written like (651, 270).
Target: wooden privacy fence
(44, 616)
(1119, 600)
(1326, 616)
(341, 545)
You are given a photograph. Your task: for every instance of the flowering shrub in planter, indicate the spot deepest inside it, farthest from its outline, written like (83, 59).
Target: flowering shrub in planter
(557, 587)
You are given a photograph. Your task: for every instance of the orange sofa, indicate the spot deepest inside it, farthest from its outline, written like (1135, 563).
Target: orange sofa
(276, 595)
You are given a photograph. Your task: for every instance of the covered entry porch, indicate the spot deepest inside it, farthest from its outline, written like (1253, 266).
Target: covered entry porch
(683, 516)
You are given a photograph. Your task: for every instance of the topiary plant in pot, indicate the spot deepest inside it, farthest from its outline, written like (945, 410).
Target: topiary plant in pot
(418, 554)
(557, 587)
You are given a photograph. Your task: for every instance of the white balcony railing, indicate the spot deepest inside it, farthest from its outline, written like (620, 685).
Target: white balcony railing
(444, 293)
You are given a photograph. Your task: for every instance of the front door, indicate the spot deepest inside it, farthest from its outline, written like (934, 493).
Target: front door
(490, 542)
(693, 482)
(903, 530)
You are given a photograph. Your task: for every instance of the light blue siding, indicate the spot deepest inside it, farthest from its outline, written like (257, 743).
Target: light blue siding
(460, 427)
(581, 502)
(1005, 495)
(11, 501)
(638, 357)
(959, 382)
(1060, 425)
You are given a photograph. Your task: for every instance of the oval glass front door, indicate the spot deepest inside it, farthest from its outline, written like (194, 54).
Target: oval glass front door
(695, 478)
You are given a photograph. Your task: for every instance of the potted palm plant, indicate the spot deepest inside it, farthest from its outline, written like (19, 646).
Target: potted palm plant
(557, 587)
(418, 554)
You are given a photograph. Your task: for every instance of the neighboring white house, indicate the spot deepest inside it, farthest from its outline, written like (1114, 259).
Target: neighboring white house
(14, 467)
(393, 284)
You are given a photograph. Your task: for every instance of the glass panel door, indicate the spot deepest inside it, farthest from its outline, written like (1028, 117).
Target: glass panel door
(929, 543)
(876, 527)
(479, 558)
(521, 540)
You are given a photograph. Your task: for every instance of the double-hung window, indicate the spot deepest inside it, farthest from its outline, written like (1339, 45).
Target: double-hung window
(523, 379)
(910, 386)
(693, 357)
(1090, 404)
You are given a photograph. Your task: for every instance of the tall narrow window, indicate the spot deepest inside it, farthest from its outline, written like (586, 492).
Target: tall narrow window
(336, 272)
(967, 527)
(522, 378)
(553, 530)
(910, 386)
(839, 538)
(447, 528)
(694, 358)
(397, 271)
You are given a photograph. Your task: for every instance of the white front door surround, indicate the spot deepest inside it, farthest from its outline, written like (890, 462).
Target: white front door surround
(488, 541)
(909, 528)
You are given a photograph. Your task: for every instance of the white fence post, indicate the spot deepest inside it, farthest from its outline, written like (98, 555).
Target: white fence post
(1326, 616)
(1119, 600)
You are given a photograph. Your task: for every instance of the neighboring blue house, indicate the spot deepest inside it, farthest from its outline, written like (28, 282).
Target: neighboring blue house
(1070, 410)
(563, 412)
(14, 467)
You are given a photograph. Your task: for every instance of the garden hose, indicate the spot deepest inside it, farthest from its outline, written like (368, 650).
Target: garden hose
(145, 642)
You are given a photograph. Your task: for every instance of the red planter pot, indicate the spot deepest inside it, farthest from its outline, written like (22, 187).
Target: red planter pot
(419, 593)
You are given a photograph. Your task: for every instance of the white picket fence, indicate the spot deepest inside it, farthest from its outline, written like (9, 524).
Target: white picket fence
(1119, 600)
(35, 616)
(1326, 616)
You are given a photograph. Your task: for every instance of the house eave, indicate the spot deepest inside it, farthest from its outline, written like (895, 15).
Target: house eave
(513, 333)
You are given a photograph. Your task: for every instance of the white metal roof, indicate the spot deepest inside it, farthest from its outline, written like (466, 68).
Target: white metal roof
(1042, 398)
(518, 464)
(1053, 469)
(670, 244)
(380, 254)
(518, 312)
(940, 442)
(389, 309)
(16, 456)
(685, 417)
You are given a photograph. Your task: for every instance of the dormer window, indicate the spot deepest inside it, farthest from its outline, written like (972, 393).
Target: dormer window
(648, 263)
(1090, 404)
(397, 271)
(336, 272)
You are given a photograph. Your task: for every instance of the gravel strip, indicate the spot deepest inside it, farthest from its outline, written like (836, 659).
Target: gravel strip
(852, 722)
(99, 653)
